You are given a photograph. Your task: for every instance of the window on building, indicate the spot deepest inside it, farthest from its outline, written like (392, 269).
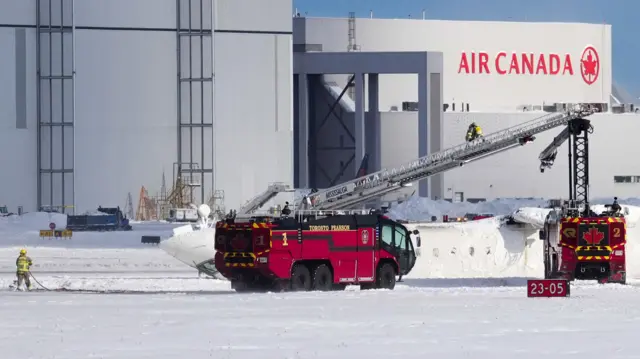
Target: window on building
(626, 179)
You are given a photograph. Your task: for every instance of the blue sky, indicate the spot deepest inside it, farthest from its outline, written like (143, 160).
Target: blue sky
(621, 14)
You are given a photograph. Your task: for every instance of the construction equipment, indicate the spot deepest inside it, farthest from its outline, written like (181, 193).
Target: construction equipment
(578, 243)
(183, 214)
(313, 250)
(109, 219)
(147, 207)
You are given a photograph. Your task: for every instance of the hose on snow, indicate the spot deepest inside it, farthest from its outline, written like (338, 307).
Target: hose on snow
(40, 284)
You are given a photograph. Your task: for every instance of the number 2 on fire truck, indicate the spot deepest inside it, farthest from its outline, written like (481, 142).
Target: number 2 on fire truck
(616, 232)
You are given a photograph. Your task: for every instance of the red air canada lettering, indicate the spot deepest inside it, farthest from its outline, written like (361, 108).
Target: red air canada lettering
(515, 63)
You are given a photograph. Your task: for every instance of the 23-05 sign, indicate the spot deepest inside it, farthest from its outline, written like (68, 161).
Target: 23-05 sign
(547, 288)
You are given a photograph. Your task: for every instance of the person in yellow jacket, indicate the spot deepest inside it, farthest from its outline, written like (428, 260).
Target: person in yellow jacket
(473, 132)
(23, 266)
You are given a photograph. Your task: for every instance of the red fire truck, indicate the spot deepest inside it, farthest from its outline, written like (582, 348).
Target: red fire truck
(578, 243)
(586, 248)
(314, 251)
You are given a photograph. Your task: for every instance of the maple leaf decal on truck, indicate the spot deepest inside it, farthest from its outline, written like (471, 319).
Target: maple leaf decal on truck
(593, 237)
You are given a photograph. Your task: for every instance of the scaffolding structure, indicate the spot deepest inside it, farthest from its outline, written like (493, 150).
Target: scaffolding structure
(55, 64)
(147, 207)
(194, 36)
(216, 203)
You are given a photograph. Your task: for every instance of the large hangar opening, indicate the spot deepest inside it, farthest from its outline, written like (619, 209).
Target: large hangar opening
(321, 149)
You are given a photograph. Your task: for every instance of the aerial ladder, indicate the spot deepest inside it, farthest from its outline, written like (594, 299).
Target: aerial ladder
(375, 185)
(262, 198)
(577, 134)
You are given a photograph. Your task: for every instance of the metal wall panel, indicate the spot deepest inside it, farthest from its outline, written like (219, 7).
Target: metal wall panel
(126, 114)
(18, 12)
(254, 15)
(253, 143)
(127, 131)
(18, 145)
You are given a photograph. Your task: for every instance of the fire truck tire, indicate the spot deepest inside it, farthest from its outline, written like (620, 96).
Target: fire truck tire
(339, 286)
(300, 278)
(322, 278)
(386, 277)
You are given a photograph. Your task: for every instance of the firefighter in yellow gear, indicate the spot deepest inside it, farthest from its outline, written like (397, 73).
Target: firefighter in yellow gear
(23, 266)
(473, 132)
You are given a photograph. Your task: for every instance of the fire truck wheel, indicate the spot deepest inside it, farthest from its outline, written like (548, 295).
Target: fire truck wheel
(300, 278)
(339, 286)
(386, 277)
(322, 278)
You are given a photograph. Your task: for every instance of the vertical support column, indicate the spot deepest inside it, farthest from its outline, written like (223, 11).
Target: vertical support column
(374, 149)
(313, 82)
(436, 182)
(194, 37)
(55, 64)
(303, 130)
(423, 126)
(359, 119)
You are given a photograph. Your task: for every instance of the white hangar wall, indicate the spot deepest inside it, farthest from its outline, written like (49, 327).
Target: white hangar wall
(126, 104)
(492, 43)
(515, 173)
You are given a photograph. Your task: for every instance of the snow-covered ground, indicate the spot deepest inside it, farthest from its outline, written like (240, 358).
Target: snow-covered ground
(465, 297)
(410, 322)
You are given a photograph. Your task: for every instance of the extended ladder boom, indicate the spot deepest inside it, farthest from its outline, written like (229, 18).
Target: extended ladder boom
(375, 185)
(548, 155)
(264, 197)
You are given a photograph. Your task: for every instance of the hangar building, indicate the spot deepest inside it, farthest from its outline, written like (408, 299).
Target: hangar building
(102, 97)
(498, 74)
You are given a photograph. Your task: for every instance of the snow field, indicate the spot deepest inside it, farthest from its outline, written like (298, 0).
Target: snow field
(406, 323)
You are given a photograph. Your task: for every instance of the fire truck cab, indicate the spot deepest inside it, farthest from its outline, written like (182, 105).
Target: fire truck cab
(313, 251)
(591, 247)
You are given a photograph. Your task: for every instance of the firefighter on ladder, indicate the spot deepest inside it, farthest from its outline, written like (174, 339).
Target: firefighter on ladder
(473, 132)
(23, 266)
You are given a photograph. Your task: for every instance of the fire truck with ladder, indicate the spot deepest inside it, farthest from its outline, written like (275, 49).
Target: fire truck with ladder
(320, 248)
(578, 243)
(313, 251)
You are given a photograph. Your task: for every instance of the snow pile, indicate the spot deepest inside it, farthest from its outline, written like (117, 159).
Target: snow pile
(478, 249)
(418, 209)
(421, 209)
(95, 213)
(533, 216)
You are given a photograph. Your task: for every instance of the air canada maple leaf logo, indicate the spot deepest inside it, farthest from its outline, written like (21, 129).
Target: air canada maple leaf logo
(590, 65)
(593, 236)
